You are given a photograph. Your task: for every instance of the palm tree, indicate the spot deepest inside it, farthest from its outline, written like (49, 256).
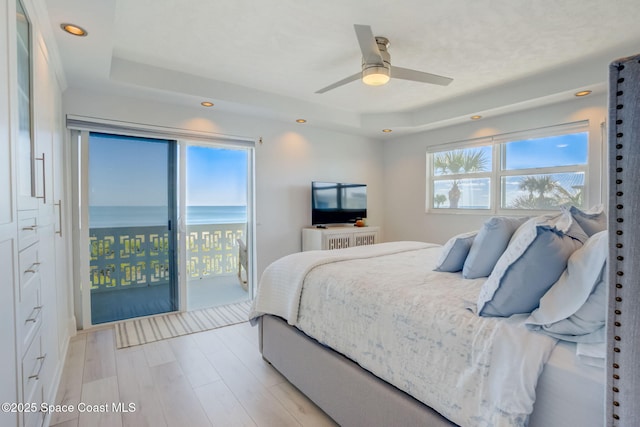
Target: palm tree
(544, 193)
(566, 198)
(439, 199)
(456, 162)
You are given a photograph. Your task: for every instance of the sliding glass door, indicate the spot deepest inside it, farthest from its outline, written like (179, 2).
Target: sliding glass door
(132, 234)
(217, 206)
(161, 224)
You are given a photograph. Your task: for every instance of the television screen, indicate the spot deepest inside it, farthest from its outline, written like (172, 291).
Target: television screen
(337, 203)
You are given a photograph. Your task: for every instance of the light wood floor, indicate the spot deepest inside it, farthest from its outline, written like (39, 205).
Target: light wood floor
(213, 378)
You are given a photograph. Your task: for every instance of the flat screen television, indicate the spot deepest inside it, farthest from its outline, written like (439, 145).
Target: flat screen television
(337, 202)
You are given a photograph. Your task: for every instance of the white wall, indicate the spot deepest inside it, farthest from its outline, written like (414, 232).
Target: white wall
(290, 157)
(405, 167)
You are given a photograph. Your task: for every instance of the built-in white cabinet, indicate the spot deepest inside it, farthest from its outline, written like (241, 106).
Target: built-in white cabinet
(9, 360)
(34, 290)
(338, 237)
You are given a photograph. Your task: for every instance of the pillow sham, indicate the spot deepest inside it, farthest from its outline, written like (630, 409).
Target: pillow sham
(534, 260)
(490, 243)
(455, 251)
(592, 221)
(574, 309)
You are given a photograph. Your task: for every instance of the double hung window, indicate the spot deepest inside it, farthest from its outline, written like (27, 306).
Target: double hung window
(540, 169)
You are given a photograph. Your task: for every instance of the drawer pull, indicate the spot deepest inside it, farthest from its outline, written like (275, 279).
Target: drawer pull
(34, 317)
(30, 228)
(37, 374)
(44, 179)
(33, 268)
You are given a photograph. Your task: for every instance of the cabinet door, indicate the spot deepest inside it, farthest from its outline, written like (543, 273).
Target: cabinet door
(337, 240)
(44, 110)
(64, 306)
(20, 48)
(8, 361)
(366, 238)
(6, 163)
(8, 228)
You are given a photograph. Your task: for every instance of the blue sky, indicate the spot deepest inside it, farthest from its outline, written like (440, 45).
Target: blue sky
(216, 176)
(127, 172)
(133, 172)
(561, 150)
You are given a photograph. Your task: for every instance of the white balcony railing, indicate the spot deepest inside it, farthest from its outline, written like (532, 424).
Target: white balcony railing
(131, 257)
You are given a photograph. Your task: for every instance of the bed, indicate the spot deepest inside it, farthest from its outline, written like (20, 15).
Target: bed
(386, 297)
(360, 388)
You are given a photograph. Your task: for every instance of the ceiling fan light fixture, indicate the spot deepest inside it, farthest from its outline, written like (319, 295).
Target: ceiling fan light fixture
(376, 76)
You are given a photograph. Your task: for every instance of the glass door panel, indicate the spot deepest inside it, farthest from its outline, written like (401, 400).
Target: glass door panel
(216, 191)
(132, 201)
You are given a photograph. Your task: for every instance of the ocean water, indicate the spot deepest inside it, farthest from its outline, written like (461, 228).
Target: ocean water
(138, 216)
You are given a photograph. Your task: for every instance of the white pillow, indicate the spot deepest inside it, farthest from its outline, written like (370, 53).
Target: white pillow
(455, 251)
(574, 309)
(534, 260)
(592, 221)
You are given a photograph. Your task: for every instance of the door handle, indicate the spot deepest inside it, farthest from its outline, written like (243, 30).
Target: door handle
(59, 205)
(44, 179)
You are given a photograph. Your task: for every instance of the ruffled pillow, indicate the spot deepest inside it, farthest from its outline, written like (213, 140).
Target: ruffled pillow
(455, 251)
(534, 260)
(490, 243)
(592, 221)
(574, 309)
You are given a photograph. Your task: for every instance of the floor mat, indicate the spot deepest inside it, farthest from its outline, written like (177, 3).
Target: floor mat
(149, 329)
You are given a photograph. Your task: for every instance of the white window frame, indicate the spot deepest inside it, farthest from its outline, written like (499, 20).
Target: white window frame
(496, 173)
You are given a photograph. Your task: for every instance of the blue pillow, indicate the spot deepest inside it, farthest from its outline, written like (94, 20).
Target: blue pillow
(575, 307)
(534, 260)
(454, 252)
(592, 221)
(491, 241)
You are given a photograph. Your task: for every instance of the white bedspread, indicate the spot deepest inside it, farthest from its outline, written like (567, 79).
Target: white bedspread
(385, 308)
(281, 283)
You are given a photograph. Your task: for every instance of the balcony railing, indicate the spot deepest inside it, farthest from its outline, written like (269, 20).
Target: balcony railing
(131, 257)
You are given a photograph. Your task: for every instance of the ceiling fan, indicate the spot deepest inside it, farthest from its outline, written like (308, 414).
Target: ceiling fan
(376, 64)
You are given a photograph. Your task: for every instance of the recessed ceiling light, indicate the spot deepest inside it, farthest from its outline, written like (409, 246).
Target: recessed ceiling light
(74, 30)
(301, 121)
(206, 104)
(475, 117)
(582, 93)
(387, 130)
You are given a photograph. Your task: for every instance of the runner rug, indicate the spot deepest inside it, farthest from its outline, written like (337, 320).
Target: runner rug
(149, 329)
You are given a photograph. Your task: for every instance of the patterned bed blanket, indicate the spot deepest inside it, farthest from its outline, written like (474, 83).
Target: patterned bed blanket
(384, 307)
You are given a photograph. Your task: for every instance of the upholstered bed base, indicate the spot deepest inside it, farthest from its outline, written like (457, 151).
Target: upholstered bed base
(570, 394)
(347, 393)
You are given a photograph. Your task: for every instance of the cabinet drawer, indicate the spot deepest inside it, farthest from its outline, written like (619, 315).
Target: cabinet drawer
(27, 228)
(35, 418)
(29, 264)
(32, 366)
(30, 312)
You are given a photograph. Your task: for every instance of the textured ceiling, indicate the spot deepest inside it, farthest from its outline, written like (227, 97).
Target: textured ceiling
(268, 57)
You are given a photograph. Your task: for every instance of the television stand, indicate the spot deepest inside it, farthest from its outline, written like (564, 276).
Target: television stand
(338, 237)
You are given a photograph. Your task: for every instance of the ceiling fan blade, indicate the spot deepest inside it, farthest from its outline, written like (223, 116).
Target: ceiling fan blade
(368, 45)
(342, 82)
(419, 76)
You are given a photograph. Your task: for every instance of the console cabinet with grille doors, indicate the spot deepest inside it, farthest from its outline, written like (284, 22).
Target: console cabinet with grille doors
(338, 237)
